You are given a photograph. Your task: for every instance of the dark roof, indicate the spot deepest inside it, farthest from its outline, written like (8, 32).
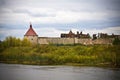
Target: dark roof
(30, 32)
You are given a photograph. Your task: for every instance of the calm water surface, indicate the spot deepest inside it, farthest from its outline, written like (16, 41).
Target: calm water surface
(31, 72)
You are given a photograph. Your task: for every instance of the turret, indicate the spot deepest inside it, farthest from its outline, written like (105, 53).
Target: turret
(31, 35)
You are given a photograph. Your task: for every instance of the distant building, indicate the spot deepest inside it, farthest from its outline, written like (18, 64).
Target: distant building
(73, 35)
(105, 35)
(94, 36)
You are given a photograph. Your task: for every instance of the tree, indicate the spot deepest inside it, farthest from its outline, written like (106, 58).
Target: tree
(116, 41)
(26, 42)
(14, 42)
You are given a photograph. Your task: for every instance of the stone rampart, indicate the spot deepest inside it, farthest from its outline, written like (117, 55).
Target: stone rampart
(86, 41)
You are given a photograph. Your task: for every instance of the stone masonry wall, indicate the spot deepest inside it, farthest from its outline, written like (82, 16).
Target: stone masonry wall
(33, 39)
(88, 41)
(55, 40)
(103, 41)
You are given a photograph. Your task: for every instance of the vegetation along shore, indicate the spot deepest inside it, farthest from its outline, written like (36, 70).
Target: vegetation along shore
(14, 50)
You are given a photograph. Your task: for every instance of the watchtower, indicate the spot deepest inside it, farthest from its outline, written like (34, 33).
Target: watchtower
(31, 35)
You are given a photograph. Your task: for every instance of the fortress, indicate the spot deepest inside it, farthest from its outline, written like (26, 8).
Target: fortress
(70, 38)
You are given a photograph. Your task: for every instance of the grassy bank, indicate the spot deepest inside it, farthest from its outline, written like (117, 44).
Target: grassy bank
(101, 55)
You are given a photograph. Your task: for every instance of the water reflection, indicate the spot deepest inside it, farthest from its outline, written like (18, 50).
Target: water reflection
(29, 72)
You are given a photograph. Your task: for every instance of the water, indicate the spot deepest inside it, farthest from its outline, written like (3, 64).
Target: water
(30, 72)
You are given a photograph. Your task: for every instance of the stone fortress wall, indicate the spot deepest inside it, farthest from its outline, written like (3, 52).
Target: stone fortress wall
(88, 41)
(79, 38)
(70, 38)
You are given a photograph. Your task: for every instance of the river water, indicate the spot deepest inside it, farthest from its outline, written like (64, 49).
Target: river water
(32, 72)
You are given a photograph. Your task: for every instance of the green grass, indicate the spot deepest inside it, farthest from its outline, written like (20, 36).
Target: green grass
(62, 55)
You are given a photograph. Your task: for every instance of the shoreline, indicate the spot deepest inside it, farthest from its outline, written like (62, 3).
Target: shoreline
(103, 65)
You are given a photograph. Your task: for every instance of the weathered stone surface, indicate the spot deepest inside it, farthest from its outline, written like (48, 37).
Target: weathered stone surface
(49, 40)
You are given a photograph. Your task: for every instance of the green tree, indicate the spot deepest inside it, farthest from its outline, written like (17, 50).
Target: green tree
(26, 42)
(14, 42)
(116, 41)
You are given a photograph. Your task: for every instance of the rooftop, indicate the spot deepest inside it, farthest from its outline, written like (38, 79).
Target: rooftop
(30, 32)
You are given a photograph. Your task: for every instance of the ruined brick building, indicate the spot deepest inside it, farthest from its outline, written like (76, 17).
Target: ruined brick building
(73, 35)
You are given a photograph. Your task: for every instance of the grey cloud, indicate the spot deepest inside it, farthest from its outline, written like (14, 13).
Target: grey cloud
(33, 14)
(20, 11)
(2, 3)
(78, 5)
(111, 7)
(90, 6)
(42, 15)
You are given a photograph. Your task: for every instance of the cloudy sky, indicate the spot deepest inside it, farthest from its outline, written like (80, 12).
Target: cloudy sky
(52, 17)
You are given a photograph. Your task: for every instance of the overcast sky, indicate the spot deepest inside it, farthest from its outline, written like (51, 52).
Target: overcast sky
(50, 18)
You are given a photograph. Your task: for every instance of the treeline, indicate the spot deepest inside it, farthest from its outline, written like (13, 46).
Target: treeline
(21, 51)
(14, 42)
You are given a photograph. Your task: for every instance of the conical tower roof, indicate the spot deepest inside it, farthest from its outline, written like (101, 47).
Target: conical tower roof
(30, 32)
